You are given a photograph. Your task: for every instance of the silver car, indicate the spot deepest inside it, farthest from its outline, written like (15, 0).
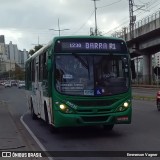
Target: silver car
(7, 84)
(21, 84)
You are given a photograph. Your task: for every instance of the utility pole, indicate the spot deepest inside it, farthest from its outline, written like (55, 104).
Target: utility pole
(132, 19)
(59, 30)
(95, 8)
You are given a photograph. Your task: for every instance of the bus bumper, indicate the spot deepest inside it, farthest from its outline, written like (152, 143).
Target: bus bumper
(72, 120)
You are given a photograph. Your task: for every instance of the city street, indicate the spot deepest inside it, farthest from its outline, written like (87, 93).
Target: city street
(142, 135)
(91, 65)
(13, 135)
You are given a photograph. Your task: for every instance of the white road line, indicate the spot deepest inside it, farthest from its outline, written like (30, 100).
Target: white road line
(34, 137)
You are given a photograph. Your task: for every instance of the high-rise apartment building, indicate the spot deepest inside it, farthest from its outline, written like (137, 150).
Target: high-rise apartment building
(3, 55)
(10, 56)
(12, 52)
(23, 56)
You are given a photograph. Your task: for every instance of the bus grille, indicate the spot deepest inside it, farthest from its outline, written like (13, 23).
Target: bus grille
(94, 103)
(94, 111)
(95, 119)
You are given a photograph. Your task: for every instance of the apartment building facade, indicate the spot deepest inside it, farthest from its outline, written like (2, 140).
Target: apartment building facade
(10, 56)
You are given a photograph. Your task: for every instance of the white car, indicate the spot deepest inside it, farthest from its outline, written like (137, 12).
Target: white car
(7, 84)
(21, 84)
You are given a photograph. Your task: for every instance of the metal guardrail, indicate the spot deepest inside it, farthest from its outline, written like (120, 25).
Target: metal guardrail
(142, 26)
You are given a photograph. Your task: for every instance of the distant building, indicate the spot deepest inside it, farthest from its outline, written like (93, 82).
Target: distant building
(23, 56)
(12, 52)
(2, 40)
(10, 56)
(3, 55)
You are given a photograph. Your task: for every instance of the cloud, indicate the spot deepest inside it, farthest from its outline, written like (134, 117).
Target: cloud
(25, 20)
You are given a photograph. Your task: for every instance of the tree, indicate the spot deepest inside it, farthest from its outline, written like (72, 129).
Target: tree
(19, 73)
(36, 48)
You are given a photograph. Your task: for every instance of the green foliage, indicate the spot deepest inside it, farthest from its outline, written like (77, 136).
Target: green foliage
(31, 52)
(36, 48)
(19, 73)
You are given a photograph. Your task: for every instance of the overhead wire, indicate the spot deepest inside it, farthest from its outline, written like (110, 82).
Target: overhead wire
(84, 23)
(140, 13)
(110, 4)
(93, 13)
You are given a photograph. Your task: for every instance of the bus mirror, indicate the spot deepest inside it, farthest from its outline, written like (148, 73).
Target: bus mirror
(133, 69)
(49, 64)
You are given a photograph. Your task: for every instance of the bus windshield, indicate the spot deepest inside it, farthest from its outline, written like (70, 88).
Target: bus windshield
(91, 75)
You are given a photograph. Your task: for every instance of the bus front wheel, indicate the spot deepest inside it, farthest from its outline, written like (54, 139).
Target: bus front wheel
(46, 114)
(53, 129)
(108, 127)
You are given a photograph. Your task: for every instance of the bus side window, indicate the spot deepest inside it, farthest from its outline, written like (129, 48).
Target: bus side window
(40, 68)
(33, 70)
(44, 73)
(28, 77)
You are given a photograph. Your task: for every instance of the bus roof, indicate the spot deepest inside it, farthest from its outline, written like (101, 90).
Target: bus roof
(67, 37)
(88, 37)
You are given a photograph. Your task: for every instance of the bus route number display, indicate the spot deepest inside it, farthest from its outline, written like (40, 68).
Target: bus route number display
(86, 46)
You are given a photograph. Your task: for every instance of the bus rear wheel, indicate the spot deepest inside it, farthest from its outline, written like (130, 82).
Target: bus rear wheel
(34, 116)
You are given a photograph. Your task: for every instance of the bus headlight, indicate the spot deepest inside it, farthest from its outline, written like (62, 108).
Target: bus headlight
(123, 107)
(62, 106)
(126, 104)
(65, 109)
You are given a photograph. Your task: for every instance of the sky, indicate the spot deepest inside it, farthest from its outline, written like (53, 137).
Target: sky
(31, 22)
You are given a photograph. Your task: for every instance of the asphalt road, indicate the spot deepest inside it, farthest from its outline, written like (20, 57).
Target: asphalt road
(142, 135)
(15, 101)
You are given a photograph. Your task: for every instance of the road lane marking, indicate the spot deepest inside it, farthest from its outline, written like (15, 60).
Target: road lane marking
(34, 137)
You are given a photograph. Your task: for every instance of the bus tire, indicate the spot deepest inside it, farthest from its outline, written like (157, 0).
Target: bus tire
(34, 116)
(46, 114)
(108, 127)
(158, 105)
(53, 129)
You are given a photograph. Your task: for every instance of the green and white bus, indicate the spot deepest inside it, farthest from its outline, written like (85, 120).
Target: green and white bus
(80, 81)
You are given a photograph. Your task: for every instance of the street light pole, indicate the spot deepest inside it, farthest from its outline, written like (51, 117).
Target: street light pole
(95, 8)
(59, 30)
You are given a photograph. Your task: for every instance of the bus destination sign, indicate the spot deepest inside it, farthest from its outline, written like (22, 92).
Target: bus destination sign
(90, 45)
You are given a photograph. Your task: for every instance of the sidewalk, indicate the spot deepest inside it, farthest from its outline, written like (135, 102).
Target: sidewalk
(146, 86)
(10, 137)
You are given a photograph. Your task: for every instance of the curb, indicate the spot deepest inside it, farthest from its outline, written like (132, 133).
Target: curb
(136, 97)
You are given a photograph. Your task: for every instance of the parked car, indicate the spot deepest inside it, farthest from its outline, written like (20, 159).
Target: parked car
(2, 83)
(21, 84)
(7, 84)
(14, 83)
(158, 100)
